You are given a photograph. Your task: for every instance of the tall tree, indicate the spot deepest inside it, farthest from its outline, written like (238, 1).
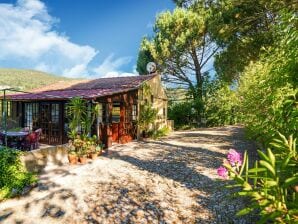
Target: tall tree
(183, 49)
(144, 58)
(243, 28)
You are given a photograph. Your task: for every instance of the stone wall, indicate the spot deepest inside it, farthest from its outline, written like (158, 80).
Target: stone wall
(41, 159)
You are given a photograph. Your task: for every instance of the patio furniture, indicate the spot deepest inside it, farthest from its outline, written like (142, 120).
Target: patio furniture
(30, 142)
(15, 133)
(14, 138)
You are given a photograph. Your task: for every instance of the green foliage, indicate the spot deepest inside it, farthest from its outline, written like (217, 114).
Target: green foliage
(182, 48)
(182, 113)
(26, 79)
(271, 183)
(14, 176)
(147, 116)
(243, 28)
(81, 117)
(82, 145)
(221, 107)
(268, 88)
(164, 131)
(144, 58)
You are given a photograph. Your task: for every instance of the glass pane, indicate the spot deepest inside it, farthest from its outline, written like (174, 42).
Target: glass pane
(116, 112)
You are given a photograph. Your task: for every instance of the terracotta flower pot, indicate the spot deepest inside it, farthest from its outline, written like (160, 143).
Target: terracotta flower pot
(73, 159)
(93, 155)
(83, 159)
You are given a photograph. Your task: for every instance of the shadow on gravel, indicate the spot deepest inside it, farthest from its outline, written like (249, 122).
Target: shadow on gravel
(175, 170)
(180, 163)
(51, 204)
(5, 214)
(124, 205)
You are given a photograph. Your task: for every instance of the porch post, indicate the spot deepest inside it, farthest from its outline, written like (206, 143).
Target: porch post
(98, 120)
(4, 113)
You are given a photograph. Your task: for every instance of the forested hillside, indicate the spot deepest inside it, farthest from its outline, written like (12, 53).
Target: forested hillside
(26, 79)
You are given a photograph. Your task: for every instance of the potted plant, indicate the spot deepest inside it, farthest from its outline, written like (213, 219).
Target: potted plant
(72, 154)
(99, 148)
(83, 156)
(72, 157)
(93, 152)
(80, 124)
(90, 144)
(80, 148)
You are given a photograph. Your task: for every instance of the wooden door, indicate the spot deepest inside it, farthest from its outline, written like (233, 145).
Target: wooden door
(50, 123)
(44, 122)
(115, 132)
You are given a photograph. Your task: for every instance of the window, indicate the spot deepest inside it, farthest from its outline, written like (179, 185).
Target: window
(7, 108)
(31, 114)
(55, 113)
(152, 99)
(134, 112)
(128, 114)
(164, 112)
(116, 112)
(100, 112)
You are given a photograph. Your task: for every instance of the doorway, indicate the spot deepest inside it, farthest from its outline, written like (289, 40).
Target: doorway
(50, 123)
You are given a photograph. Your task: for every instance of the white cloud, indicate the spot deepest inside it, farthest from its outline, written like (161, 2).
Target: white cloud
(110, 67)
(27, 36)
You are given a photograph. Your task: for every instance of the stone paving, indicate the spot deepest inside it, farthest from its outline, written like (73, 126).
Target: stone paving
(172, 180)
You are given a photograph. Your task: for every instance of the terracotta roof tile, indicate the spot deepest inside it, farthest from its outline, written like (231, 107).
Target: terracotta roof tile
(88, 89)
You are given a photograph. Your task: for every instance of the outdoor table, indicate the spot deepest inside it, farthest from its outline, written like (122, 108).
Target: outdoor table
(15, 133)
(15, 136)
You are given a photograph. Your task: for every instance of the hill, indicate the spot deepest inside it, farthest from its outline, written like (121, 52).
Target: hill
(24, 79)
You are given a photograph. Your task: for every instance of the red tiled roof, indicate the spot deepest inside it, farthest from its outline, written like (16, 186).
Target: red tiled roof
(87, 89)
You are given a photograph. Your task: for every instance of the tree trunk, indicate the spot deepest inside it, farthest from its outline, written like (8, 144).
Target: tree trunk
(198, 94)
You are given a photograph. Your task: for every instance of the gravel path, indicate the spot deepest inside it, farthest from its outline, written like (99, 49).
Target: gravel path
(172, 180)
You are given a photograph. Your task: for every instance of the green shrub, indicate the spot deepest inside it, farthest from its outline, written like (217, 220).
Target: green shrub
(221, 107)
(271, 184)
(182, 114)
(147, 116)
(268, 88)
(164, 131)
(13, 177)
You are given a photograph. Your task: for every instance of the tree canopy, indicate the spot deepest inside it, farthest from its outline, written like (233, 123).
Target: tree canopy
(182, 48)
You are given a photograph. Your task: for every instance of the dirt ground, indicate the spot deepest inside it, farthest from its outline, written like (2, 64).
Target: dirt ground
(172, 180)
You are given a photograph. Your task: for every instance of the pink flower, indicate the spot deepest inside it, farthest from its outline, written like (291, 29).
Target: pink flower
(222, 172)
(234, 157)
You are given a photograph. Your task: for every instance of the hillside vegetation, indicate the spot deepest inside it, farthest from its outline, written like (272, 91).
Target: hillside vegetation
(24, 79)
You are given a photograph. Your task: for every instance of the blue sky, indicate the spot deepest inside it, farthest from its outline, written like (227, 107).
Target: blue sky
(90, 38)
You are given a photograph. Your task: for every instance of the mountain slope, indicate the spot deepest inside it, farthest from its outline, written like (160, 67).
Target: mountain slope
(24, 79)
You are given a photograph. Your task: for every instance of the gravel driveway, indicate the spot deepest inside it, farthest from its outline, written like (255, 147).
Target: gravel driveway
(172, 180)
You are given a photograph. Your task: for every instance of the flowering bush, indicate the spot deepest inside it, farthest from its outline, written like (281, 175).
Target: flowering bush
(82, 145)
(271, 184)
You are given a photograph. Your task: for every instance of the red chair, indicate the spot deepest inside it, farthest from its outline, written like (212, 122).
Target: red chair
(30, 142)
